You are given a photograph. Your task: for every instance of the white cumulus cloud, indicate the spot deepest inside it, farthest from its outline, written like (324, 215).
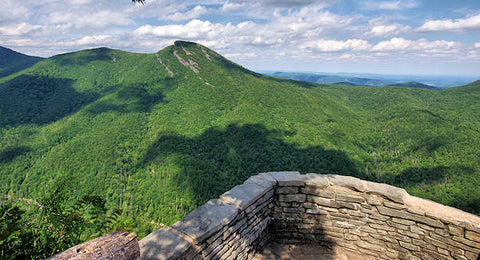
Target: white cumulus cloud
(235, 5)
(387, 30)
(463, 24)
(196, 12)
(90, 21)
(281, 31)
(195, 29)
(394, 44)
(19, 29)
(388, 5)
(232, 6)
(13, 11)
(403, 45)
(94, 40)
(241, 55)
(333, 45)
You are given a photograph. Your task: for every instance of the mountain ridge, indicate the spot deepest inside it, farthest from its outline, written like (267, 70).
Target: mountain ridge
(12, 61)
(376, 80)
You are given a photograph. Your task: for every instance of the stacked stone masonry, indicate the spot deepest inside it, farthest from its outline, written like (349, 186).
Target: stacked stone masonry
(377, 220)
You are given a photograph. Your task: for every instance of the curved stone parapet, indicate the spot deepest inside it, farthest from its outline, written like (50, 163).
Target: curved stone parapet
(375, 219)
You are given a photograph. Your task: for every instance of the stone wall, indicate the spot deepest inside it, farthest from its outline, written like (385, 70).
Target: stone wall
(234, 226)
(377, 220)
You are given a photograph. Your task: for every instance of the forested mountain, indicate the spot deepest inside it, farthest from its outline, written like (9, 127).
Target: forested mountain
(157, 135)
(12, 61)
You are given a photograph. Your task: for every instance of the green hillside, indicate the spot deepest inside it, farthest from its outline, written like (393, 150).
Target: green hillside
(413, 84)
(12, 61)
(157, 135)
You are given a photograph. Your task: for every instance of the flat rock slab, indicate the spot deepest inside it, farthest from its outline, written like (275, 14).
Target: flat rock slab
(163, 244)
(288, 178)
(206, 220)
(347, 182)
(306, 252)
(244, 195)
(259, 180)
(317, 180)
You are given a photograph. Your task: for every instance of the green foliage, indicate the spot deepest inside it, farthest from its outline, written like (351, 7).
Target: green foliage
(413, 84)
(148, 147)
(10, 230)
(39, 229)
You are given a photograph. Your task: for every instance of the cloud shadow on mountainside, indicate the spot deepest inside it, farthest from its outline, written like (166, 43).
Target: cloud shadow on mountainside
(10, 153)
(129, 98)
(34, 99)
(219, 159)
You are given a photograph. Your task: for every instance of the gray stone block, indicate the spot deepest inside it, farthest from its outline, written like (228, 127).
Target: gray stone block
(317, 211)
(206, 220)
(256, 179)
(350, 198)
(370, 246)
(317, 180)
(292, 197)
(374, 199)
(403, 221)
(342, 224)
(417, 230)
(293, 210)
(455, 230)
(347, 182)
(394, 205)
(322, 201)
(321, 192)
(268, 177)
(393, 193)
(244, 195)
(287, 190)
(163, 244)
(288, 178)
(473, 236)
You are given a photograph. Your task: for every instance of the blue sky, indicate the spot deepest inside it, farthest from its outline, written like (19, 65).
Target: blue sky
(432, 37)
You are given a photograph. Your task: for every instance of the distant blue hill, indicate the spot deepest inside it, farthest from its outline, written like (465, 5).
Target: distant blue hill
(377, 80)
(331, 79)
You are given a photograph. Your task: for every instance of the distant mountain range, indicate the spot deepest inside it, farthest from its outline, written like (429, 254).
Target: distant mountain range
(376, 80)
(156, 135)
(331, 79)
